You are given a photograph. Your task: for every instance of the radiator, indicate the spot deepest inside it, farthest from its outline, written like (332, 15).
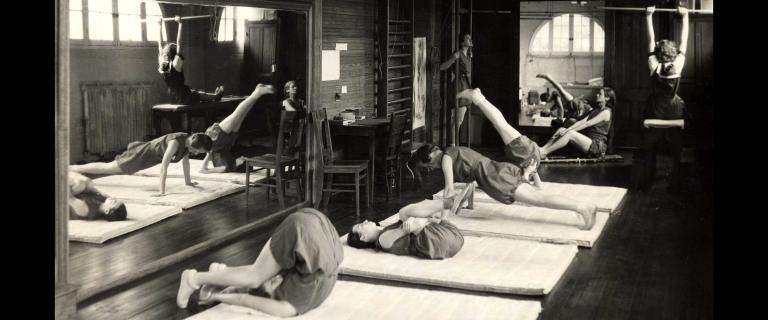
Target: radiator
(115, 115)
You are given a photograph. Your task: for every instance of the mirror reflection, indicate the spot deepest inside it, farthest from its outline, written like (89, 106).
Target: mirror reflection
(174, 107)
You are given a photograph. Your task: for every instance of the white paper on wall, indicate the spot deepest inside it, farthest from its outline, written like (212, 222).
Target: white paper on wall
(330, 65)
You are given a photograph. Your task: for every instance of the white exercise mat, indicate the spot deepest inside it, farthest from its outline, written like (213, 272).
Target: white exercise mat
(521, 222)
(139, 216)
(356, 300)
(486, 264)
(607, 199)
(142, 190)
(177, 171)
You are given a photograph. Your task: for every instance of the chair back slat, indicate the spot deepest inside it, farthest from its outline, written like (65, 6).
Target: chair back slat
(287, 125)
(322, 117)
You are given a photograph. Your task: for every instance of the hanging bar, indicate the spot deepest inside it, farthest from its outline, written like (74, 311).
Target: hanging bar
(182, 18)
(657, 9)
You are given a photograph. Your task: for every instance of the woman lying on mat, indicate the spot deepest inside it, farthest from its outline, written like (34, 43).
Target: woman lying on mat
(140, 155)
(502, 181)
(421, 232)
(87, 203)
(170, 63)
(224, 134)
(297, 269)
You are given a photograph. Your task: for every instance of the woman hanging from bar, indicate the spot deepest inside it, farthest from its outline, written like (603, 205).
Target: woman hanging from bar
(421, 231)
(464, 57)
(224, 134)
(665, 113)
(171, 62)
(294, 273)
(587, 128)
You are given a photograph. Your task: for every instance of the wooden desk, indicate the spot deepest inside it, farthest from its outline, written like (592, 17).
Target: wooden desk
(174, 112)
(369, 128)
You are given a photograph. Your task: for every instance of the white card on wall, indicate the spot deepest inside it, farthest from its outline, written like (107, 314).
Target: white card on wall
(341, 46)
(330, 65)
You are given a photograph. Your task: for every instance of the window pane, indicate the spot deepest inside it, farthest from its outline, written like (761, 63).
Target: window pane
(580, 33)
(227, 25)
(76, 5)
(100, 20)
(75, 24)
(153, 12)
(540, 41)
(129, 19)
(560, 33)
(599, 38)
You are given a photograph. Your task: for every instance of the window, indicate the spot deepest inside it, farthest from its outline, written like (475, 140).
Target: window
(227, 25)
(95, 20)
(152, 13)
(129, 19)
(560, 34)
(541, 40)
(568, 33)
(599, 38)
(76, 19)
(100, 20)
(581, 40)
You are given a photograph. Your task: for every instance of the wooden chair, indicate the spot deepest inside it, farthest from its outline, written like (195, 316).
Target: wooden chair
(391, 159)
(284, 162)
(357, 168)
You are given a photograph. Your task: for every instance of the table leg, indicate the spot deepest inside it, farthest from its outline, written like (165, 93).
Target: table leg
(189, 122)
(157, 119)
(174, 119)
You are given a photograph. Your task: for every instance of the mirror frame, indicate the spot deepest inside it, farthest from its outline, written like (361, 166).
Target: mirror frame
(313, 11)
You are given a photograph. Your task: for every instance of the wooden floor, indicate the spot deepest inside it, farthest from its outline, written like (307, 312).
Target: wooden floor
(653, 260)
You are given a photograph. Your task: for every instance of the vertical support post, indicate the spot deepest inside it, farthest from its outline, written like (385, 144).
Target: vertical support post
(454, 46)
(469, 108)
(62, 143)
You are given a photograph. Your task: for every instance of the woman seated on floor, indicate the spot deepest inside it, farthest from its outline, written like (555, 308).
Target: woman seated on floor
(421, 231)
(87, 203)
(590, 127)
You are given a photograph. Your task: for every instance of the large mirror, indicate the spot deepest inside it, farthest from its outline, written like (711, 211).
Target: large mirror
(565, 40)
(125, 87)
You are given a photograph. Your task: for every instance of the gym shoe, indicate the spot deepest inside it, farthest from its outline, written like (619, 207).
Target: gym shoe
(207, 290)
(186, 288)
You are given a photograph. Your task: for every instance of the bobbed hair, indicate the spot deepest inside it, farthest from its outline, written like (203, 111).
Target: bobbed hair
(200, 140)
(666, 51)
(354, 241)
(117, 213)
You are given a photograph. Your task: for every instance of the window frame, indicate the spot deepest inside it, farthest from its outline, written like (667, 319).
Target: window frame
(550, 53)
(86, 41)
(234, 27)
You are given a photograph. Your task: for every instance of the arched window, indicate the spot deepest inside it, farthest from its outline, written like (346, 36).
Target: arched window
(568, 34)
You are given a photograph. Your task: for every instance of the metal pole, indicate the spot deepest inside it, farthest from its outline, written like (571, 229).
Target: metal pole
(657, 9)
(469, 107)
(182, 18)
